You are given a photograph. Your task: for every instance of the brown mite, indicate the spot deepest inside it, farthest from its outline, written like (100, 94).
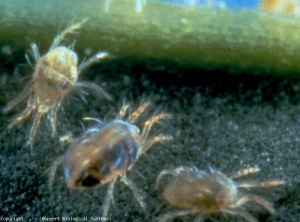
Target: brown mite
(55, 75)
(107, 151)
(206, 192)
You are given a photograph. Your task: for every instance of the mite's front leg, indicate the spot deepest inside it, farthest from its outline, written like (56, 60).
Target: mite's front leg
(99, 56)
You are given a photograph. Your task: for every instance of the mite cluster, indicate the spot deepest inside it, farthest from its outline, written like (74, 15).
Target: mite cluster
(105, 152)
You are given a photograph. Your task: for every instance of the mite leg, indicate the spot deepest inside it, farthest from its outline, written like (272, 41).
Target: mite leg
(248, 217)
(256, 199)
(81, 94)
(93, 59)
(250, 184)
(19, 99)
(53, 170)
(92, 119)
(35, 52)
(135, 191)
(99, 91)
(68, 30)
(53, 116)
(133, 117)
(66, 138)
(244, 172)
(149, 123)
(149, 143)
(24, 115)
(109, 198)
(36, 123)
(171, 215)
(123, 111)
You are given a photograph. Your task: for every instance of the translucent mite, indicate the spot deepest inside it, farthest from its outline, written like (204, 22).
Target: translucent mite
(107, 151)
(200, 192)
(55, 75)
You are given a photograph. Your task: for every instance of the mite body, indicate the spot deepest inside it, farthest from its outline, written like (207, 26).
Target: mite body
(55, 75)
(101, 154)
(200, 192)
(107, 151)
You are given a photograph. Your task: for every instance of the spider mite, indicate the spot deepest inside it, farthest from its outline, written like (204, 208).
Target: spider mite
(107, 151)
(55, 75)
(200, 192)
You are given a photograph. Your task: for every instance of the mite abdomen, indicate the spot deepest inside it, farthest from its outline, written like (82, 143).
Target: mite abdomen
(100, 155)
(193, 192)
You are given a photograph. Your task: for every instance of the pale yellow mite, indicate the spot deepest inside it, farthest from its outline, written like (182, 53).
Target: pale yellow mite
(55, 75)
(199, 192)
